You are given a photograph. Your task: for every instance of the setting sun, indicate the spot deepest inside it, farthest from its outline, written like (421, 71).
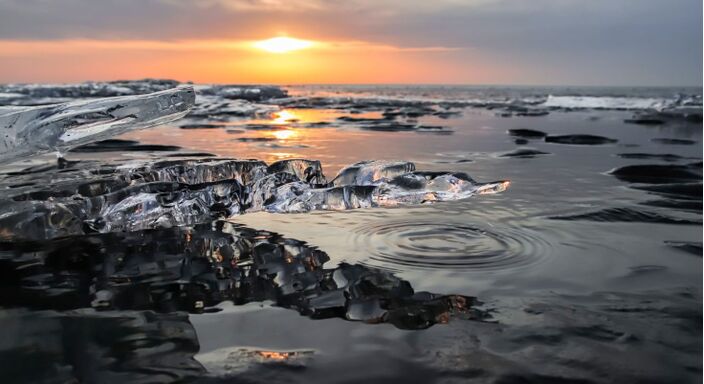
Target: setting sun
(282, 44)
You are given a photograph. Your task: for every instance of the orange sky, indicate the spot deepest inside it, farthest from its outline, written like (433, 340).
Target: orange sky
(224, 61)
(512, 42)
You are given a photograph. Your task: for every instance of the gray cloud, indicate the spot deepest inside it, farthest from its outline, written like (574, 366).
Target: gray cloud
(549, 41)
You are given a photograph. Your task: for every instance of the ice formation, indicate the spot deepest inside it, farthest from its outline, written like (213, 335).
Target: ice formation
(134, 196)
(27, 131)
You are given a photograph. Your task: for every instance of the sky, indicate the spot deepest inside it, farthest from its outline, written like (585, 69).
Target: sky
(515, 42)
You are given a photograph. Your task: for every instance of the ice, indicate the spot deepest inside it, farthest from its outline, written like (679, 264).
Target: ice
(131, 196)
(33, 130)
(217, 108)
(371, 172)
(379, 184)
(605, 102)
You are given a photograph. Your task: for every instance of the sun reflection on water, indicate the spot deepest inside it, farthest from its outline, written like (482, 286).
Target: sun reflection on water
(284, 134)
(284, 117)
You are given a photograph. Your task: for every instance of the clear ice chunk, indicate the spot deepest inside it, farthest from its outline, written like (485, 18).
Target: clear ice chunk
(49, 203)
(379, 184)
(372, 171)
(27, 131)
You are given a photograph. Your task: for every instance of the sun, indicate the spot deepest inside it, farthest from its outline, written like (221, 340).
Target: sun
(282, 44)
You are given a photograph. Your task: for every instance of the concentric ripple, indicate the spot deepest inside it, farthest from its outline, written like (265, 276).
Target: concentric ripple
(400, 245)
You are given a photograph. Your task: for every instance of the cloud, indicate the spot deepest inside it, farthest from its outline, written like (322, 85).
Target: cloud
(595, 41)
(252, 5)
(15, 48)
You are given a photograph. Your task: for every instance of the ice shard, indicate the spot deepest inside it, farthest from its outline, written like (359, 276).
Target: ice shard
(129, 196)
(27, 131)
(378, 184)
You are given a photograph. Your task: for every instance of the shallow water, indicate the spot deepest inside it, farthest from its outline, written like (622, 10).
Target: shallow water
(581, 276)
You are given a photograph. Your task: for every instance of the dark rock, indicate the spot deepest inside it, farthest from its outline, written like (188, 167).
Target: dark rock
(673, 141)
(644, 121)
(527, 133)
(579, 139)
(648, 156)
(524, 153)
(255, 139)
(657, 173)
(533, 113)
(202, 126)
(389, 127)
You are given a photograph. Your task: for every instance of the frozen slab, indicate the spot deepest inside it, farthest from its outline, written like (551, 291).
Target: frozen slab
(28, 131)
(42, 203)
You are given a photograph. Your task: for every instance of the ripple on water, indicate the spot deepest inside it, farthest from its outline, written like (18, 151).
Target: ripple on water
(404, 244)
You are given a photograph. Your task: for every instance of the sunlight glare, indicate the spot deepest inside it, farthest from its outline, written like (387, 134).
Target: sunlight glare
(282, 44)
(285, 134)
(284, 117)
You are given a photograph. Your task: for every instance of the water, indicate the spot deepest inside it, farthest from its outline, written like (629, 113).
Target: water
(586, 269)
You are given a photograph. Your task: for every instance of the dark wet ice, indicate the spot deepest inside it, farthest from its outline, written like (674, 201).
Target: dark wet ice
(339, 237)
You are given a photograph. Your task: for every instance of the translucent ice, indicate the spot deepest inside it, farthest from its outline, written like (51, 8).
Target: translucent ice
(133, 196)
(26, 131)
(379, 184)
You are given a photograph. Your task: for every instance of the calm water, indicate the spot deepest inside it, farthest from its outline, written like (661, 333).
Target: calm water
(580, 275)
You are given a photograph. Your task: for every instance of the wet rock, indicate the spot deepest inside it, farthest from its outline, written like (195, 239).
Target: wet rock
(447, 114)
(527, 133)
(649, 156)
(367, 120)
(579, 139)
(524, 153)
(644, 121)
(668, 141)
(202, 126)
(317, 124)
(395, 127)
(434, 129)
(264, 127)
(533, 113)
(255, 139)
(657, 173)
